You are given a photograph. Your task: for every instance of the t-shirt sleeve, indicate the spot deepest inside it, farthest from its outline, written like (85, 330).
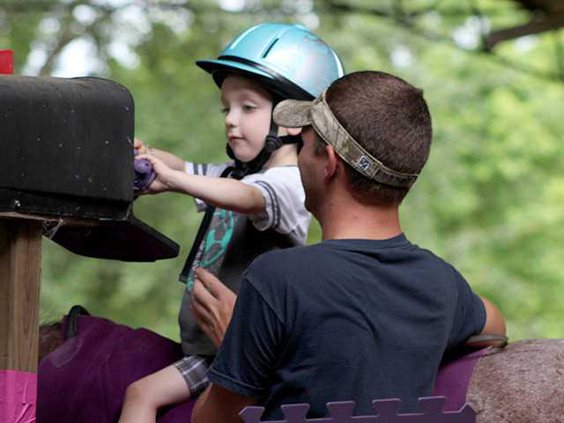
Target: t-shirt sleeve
(206, 169)
(251, 346)
(470, 313)
(284, 199)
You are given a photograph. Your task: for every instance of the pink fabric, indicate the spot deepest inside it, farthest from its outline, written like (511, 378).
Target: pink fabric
(18, 396)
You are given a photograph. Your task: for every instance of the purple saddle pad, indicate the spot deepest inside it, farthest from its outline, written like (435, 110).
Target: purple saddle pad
(454, 376)
(84, 380)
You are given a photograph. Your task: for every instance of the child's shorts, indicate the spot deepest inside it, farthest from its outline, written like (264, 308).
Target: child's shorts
(194, 370)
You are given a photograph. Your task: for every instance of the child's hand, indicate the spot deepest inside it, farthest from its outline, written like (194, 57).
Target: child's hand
(140, 147)
(165, 176)
(170, 159)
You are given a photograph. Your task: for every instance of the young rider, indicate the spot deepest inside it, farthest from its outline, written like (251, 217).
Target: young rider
(259, 206)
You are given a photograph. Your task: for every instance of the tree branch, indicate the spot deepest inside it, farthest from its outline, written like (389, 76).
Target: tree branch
(535, 26)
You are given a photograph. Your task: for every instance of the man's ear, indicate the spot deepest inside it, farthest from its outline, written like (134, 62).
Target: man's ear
(292, 131)
(332, 163)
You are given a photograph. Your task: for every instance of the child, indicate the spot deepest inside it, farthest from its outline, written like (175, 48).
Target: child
(264, 210)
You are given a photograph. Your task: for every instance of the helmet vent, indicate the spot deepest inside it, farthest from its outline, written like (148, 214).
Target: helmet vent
(269, 47)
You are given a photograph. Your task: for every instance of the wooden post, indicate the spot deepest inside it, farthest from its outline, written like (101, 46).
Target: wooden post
(20, 269)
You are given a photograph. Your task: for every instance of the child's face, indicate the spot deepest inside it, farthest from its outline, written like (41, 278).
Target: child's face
(248, 110)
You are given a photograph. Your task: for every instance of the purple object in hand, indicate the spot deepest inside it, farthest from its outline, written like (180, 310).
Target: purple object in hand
(144, 174)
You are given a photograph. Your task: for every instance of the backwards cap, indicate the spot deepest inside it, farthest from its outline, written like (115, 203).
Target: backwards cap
(318, 114)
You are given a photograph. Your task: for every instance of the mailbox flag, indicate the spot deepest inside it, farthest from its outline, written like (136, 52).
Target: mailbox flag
(6, 61)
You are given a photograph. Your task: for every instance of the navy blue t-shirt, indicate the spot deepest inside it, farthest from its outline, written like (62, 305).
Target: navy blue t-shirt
(344, 320)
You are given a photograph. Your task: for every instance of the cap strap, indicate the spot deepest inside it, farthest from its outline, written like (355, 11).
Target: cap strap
(332, 132)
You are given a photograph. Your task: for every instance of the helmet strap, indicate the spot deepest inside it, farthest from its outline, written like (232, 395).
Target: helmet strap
(272, 143)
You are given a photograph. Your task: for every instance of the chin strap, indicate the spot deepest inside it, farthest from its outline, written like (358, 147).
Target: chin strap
(272, 143)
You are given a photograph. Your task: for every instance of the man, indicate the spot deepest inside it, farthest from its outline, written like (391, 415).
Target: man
(364, 314)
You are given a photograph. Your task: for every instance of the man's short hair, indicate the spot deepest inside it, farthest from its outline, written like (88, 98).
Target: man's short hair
(391, 120)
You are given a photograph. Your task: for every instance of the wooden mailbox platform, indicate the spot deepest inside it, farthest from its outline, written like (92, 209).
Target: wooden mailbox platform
(67, 171)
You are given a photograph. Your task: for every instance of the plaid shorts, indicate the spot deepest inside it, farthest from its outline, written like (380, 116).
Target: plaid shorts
(194, 369)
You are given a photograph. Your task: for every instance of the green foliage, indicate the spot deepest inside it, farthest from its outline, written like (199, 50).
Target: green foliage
(489, 201)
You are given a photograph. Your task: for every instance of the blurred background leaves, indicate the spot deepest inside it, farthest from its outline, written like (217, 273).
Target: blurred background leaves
(490, 199)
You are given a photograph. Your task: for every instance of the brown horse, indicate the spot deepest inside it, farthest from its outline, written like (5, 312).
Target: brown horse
(521, 383)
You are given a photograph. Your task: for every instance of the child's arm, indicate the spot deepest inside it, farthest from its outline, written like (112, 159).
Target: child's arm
(172, 161)
(224, 193)
(145, 396)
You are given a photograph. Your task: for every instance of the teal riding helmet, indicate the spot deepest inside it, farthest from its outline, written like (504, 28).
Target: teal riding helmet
(291, 60)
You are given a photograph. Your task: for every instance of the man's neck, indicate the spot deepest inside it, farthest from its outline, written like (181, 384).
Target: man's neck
(356, 221)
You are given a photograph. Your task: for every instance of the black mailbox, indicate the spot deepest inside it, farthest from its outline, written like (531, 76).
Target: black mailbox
(67, 155)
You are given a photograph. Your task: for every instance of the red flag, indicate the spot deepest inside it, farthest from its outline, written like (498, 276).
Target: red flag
(6, 61)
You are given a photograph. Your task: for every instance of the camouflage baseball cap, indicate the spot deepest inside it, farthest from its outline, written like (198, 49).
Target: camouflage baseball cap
(318, 114)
